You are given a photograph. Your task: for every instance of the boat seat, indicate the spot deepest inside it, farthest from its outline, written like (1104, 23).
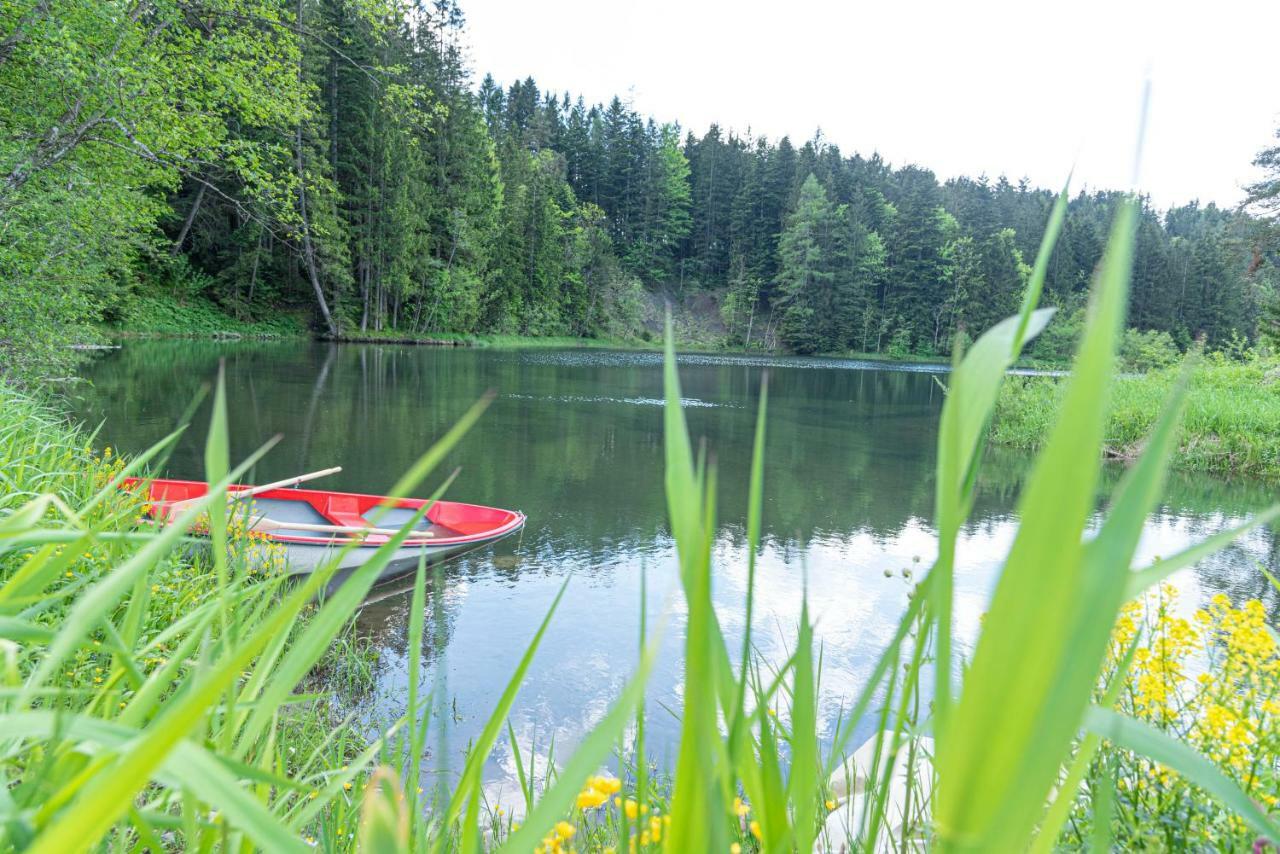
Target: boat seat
(344, 510)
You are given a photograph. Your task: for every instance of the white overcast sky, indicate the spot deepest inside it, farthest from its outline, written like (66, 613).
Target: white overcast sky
(1015, 87)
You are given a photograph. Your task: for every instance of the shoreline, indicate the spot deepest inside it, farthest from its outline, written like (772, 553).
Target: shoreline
(535, 342)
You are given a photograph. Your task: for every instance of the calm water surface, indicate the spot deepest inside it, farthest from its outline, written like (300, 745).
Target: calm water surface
(574, 440)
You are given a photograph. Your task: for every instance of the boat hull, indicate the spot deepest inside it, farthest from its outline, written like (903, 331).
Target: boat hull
(313, 527)
(304, 559)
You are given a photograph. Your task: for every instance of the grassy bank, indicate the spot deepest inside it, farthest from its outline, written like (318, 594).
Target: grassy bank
(1231, 425)
(159, 313)
(162, 314)
(116, 644)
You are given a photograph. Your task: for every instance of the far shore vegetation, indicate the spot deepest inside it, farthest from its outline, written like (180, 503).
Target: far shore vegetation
(1231, 425)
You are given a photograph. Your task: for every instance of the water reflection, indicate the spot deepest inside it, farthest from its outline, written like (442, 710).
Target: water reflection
(574, 439)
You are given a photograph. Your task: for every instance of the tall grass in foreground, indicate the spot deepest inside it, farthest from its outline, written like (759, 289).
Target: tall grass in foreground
(130, 724)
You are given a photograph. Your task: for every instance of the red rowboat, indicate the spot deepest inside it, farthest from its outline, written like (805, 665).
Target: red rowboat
(315, 525)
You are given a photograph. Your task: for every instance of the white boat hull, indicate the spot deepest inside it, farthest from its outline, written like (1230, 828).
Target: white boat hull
(306, 558)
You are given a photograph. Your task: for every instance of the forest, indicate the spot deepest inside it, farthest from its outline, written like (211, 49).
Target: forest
(337, 159)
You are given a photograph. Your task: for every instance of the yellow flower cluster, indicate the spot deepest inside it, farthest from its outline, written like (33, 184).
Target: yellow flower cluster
(1158, 677)
(597, 792)
(650, 832)
(1239, 694)
(1213, 682)
(557, 840)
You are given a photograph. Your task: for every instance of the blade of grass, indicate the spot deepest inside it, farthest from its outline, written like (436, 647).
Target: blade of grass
(469, 783)
(996, 766)
(271, 688)
(755, 504)
(595, 746)
(417, 731)
(966, 416)
(1056, 816)
(698, 780)
(804, 783)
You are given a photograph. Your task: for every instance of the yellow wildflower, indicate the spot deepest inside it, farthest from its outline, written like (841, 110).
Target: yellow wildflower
(591, 798)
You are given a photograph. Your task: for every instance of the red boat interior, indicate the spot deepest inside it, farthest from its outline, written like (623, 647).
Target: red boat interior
(445, 522)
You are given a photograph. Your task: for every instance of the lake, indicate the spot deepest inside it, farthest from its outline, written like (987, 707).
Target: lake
(574, 439)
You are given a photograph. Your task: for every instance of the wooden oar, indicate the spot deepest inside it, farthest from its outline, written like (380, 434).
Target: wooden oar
(178, 506)
(262, 523)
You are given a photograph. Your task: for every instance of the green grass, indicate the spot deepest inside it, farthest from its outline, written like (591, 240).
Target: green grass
(1231, 423)
(112, 640)
(152, 701)
(161, 313)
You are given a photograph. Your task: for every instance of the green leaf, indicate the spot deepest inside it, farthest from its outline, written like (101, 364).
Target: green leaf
(384, 823)
(468, 787)
(997, 757)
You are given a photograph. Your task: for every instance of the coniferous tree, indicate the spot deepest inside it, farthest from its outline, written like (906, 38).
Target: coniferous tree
(918, 257)
(808, 272)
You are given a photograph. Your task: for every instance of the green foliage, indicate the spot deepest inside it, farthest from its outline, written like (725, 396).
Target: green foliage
(145, 629)
(1264, 194)
(1230, 424)
(102, 116)
(155, 312)
(900, 346)
(1140, 351)
(1147, 351)
(807, 275)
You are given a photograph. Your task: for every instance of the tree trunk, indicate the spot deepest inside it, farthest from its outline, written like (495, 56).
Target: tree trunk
(364, 295)
(308, 250)
(191, 218)
(253, 277)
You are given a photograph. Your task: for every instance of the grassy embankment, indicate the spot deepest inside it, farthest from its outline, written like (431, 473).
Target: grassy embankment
(109, 636)
(455, 339)
(161, 314)
(1231, 425)
(164, 315)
